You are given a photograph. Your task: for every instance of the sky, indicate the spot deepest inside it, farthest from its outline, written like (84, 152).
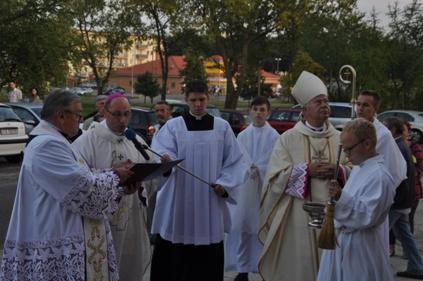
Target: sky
(381, 7)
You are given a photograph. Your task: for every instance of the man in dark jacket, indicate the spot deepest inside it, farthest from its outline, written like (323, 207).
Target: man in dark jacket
(399, 213)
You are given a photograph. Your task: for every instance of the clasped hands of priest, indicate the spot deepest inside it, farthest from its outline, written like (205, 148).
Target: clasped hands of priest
(325, 170)
(322, 170)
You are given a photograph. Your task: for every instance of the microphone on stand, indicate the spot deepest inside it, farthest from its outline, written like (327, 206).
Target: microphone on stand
(131, 135)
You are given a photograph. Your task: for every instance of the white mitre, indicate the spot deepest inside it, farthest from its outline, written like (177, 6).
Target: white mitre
(307, 87)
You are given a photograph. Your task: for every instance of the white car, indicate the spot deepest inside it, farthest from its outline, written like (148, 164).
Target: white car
(340, 114)
(415, 118)
(12, 134)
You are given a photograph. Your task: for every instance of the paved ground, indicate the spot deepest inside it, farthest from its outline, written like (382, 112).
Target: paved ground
(8, 178)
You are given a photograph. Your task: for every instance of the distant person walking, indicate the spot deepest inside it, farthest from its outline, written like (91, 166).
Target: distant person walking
(35, 98)
(15, 95)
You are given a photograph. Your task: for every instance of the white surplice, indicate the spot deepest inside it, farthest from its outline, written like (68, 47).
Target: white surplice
(359, 215)
(189, 211)
(242, 247)
(56, 195)
(101, 148)
(394, 162)
(387, 147)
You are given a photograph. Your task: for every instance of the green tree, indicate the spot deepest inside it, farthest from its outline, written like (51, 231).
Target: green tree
(404, 71)
(104, 29)
(34, 43)
(160, 13)
(194, 67)
(147, 86)
(235, 27)
(302, 61)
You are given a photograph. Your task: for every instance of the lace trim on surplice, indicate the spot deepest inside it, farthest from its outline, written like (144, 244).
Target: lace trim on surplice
(95, 195)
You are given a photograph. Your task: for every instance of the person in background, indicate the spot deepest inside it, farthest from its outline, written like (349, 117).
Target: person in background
(413, 141)
(242, 247)
(367, 106)
(400, 209)
(35, 98)
(100, 101)
(15, 94)
(163, 113)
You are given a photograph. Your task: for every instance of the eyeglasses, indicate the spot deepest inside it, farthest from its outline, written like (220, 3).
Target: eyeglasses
(119, 114)
(75, 113)
(347, 150)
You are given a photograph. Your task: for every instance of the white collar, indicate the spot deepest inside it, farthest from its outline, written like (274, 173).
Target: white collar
(197, 117)
(315, 129)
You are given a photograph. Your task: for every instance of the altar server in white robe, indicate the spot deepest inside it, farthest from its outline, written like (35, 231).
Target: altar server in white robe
(368, 103)
(59, 227)
(361, 208)
(300, 167)
(104, 146)
(242, 247)
(190, 216)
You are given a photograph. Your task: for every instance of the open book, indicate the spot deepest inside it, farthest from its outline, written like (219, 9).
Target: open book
(148, 171)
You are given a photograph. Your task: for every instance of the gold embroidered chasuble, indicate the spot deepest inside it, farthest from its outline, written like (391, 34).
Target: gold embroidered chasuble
(290, 250)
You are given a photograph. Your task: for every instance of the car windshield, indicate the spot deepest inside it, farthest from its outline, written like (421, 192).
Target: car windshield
(7, 114)
(37, 110)
(280, 115)
(340, 111)
(214, 111)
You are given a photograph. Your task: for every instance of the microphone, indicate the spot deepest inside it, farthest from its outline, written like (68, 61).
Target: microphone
(130, 135)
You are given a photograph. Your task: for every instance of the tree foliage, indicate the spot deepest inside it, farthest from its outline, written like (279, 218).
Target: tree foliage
(147, 86)
(103, 29)
(234, 27)
(34, 45)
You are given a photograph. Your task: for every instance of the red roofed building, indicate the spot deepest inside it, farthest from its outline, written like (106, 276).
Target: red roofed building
(124, 76)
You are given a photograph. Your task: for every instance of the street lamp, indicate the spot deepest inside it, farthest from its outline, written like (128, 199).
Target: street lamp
(277, 64)
(132, 80)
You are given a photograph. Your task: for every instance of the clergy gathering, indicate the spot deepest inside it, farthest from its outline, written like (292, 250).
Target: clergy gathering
(219, 140)
(240, 204)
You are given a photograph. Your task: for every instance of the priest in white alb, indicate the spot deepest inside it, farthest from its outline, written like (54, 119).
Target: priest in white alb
(302, 164)
(104, 146)
(59, 228)
(242, 247)
(368, 103)
(361, 209)
(191, 215)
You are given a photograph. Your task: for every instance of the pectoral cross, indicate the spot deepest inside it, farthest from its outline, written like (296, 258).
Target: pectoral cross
(320, 156)
(120, 157)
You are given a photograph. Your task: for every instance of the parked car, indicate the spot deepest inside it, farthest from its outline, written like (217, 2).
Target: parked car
(236, 119)
(283, 119)
(29, 113)
(116, 89)
(12, 134)
(340, 113)
(180, 107)
(82, 91)
(415, 118)
(141, 120)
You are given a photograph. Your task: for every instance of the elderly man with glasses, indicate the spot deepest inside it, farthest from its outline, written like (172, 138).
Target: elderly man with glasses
(104, 146)
(59, 228)
(361, 208)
